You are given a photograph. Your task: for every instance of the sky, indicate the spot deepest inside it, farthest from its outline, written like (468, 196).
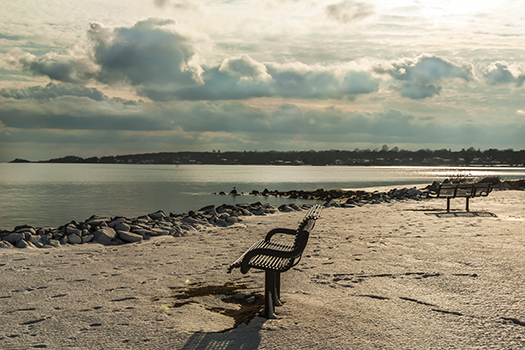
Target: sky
(98, 78)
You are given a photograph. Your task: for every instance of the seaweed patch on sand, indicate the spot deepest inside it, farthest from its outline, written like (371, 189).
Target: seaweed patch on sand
(238, 300)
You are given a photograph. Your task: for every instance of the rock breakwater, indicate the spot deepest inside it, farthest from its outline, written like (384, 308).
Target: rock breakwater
(121, 230)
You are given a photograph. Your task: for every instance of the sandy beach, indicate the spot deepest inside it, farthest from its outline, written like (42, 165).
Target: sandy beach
(399, 275)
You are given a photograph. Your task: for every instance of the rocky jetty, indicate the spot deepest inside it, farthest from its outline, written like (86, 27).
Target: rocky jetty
(340, 198)
(121, 230)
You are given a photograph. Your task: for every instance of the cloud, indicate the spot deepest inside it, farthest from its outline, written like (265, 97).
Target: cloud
(418, 92)
(10, 37)
(179, 5)
(243, 78)
(146, 54)
(349, 11)
(359, 83)
(161, 3)
(420, 77)
(53, 90)
(244, 67)
(500, 72)
(62, 68)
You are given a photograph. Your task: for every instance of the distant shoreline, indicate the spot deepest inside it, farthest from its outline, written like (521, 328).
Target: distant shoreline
(384, 157)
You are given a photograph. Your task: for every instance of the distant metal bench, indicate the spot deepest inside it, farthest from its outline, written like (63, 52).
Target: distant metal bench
(275, 257)
(466, 190)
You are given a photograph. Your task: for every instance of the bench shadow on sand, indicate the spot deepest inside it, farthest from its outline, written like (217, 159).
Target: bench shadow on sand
(463, 214)
(244, 337)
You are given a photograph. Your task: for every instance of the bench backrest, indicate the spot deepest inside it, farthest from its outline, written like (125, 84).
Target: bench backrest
(464, 190)
(306, 226)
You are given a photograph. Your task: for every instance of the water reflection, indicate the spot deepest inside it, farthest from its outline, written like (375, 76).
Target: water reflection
(55, 194)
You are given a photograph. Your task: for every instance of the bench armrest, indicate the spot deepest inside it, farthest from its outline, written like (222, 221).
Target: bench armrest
(275, 231)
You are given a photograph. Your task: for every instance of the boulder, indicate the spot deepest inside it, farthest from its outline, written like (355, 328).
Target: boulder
(74, 239)
(53, 242)
(27, 229)
(105, 235)
(130, 237)
(4, 244)
(115, 222)
(121, 226)
(23, 244)
(73, 230)
(13, 238)
(158, 215)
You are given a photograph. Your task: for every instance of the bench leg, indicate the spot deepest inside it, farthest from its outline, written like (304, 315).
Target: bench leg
(448, 204)
(467, 203)
(270, 293)
(278, 289)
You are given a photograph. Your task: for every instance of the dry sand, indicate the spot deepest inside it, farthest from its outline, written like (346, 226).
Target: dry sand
(400, 275)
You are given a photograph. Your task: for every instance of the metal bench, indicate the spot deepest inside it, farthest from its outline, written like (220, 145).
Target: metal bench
(466, 190)
(275, 257)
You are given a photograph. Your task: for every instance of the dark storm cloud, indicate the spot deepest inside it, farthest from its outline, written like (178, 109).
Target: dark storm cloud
(52, 90)
(349, 11)
(420, 79)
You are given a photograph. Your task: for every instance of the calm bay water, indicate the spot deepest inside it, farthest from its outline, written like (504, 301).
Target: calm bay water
(43, 195)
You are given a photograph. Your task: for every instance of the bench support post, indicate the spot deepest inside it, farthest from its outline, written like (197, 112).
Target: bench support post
(448, 204)
(271, 292)
(468, 203)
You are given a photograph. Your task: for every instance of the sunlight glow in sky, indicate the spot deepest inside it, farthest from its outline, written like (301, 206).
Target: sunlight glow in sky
(105, 78)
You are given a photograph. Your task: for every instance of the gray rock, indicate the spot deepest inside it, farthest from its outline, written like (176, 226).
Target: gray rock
(413, 192)
(87, 238)
(71, 229)
(221, 222)
(115, 222)
(159, 215)
(4, 244)
(285, 208)
(44, 239)
(55, 243)
(121, 226)
(28, 230)
(34, 239)
(160, 232)
(144, 233)
(13, 238)
(127, 236)
(74, 239)
(23, 244)
(232, 220)
(105, 235)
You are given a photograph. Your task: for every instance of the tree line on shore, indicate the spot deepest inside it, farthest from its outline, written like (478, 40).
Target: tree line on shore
(383, 156)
